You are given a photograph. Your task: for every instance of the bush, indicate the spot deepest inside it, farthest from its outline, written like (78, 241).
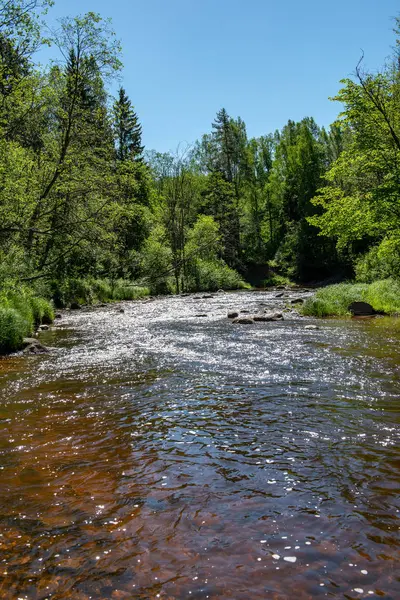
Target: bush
(13, 328)
(124, 290)
(212, 276)
(42, 311)
(381, 262)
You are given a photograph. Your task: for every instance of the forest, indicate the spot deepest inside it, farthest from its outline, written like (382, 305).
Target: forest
(88, 214)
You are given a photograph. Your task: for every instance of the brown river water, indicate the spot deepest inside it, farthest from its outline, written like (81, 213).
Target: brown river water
(159, 454)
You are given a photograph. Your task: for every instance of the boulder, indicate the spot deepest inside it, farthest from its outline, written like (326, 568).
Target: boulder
(273, 316)
(361, 309)
(311, 327)
(44, 328)
(206, 296)
(297, 301)
(221, 292)
(32, 346)
(75, 306)
(279, 295)
(243, 321)
(233, 314)
(58, 316)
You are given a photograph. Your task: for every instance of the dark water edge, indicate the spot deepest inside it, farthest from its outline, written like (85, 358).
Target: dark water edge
(158, 454)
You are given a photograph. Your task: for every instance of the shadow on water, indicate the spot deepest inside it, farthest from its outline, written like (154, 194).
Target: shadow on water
(154, 454)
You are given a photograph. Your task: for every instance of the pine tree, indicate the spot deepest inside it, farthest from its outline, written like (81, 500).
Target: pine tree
(128, 131)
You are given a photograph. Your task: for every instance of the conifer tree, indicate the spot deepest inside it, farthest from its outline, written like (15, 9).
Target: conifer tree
(128, 130)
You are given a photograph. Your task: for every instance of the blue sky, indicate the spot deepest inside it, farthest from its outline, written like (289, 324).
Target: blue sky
(263, 60)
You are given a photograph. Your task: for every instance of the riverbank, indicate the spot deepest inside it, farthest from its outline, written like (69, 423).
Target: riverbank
(334, 300)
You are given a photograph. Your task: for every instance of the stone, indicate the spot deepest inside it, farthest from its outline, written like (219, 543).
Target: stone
(32, 346)
(75, 306)
(279, 295)
(233, 314)
(311, 327)
(44, 328)
(58, 316)
(206, 296)
(361, 309)
(121, 310)
(297, 301)
(273, 316)
(244, 310)
(243, 321)
(221, 292)
(202, 315)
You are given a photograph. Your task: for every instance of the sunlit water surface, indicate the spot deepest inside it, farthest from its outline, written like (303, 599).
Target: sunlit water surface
(159, 454)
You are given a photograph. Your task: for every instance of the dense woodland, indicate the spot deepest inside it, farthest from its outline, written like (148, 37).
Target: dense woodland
(84, 204)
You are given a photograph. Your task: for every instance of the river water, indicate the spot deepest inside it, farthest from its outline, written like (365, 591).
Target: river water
(159, 454)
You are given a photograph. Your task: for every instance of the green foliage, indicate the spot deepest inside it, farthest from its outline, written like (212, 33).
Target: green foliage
(384, 296)
(380, 262)
(334, 300)
(276, 279)
(12, 330)
(124, 290)
(210, 275)
(21, 312)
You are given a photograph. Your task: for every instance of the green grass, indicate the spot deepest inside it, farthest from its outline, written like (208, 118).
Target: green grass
(21, 312)
(12, 330)
(334, 300)
(92, 291)
(210, 276)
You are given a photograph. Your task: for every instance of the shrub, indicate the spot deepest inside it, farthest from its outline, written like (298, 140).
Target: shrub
(42, 311)
(124, 290)
(13, 328)
(212, 276)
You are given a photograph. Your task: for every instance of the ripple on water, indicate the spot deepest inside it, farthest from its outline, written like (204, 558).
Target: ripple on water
(157, 454)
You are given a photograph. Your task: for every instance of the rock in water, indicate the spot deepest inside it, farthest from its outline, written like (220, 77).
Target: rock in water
(233, 314)
(273, 316)
(361, 309)
(243, 321)
(311, 327)
(75, 306)
(33, 346)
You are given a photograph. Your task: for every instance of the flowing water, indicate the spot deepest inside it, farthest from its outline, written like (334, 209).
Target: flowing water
(159, 454)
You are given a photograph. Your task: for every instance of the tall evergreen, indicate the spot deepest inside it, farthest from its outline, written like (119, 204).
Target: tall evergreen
(128, 131)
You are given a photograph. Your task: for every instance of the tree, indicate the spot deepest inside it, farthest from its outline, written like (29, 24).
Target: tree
(128, 131)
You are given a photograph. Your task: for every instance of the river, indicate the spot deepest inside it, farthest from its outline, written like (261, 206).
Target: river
(159, 454)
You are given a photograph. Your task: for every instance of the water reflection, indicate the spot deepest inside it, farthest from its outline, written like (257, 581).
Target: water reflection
(157, 454)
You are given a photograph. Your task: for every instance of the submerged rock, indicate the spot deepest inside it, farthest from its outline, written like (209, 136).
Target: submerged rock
(33, 346)
(243, 321)
(201, 315)
(206, 296)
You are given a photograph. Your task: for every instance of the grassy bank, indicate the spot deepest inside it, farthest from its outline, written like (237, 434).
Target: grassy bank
(92, 291)
(334, 300)
(21, 313)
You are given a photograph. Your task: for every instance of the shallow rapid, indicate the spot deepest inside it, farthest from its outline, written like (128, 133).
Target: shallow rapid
(157, 453)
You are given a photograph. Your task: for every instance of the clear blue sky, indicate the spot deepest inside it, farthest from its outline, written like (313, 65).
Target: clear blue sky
(263, 60)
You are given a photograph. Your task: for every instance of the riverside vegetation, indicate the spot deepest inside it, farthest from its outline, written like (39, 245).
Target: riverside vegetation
(87, 214)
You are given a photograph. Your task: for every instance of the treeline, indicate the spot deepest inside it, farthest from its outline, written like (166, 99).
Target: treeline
(81, 199)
